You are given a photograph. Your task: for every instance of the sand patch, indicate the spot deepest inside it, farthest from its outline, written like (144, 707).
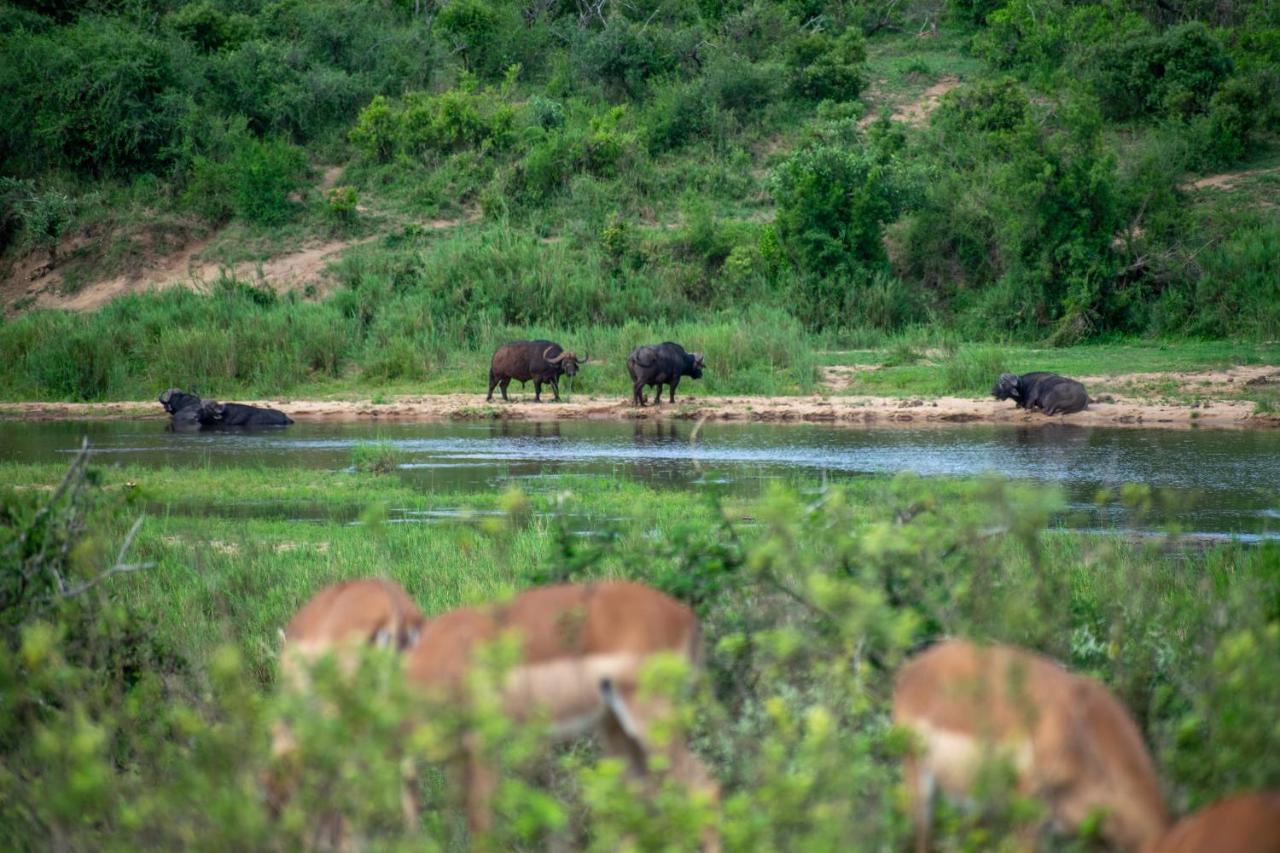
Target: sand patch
(916, 113)
(844, 410)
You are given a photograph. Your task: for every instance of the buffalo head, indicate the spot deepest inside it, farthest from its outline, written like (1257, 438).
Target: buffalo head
(696, 365)
(568, 362)
(1005, 387)
(175, 400)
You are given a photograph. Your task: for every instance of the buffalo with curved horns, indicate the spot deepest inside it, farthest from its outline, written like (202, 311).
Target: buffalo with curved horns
(661, 364)
(1050, 393)
(188, 411)
(542, 361)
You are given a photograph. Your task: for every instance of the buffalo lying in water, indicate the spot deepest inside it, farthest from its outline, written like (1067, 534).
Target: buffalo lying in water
(187, 412)
(1050, 393)
(541, 361)
(661, 364)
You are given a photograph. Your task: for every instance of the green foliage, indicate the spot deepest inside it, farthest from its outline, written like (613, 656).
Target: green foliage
(1238, 293)
(422, 123)
(254, 183)
(109, 98)
(377, 457)
(832, 205)
(825, 66)
(1174, 73)
(1017, 220)
(143, 715)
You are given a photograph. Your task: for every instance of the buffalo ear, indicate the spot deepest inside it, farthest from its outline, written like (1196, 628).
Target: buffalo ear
(167, 395)
(697, 358)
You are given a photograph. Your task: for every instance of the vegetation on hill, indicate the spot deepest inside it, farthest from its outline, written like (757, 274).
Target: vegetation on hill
(662, 163)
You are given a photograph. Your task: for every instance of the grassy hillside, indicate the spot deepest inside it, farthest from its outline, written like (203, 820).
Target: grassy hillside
(793, 175)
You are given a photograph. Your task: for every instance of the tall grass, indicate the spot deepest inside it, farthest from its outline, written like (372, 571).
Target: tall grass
(429, 318)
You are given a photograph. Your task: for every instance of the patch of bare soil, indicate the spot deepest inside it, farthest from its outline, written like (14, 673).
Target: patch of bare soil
(844, 410)
(1227, 180)
(183, 269)
(916, 113)
(840, 376)
(1191, 382)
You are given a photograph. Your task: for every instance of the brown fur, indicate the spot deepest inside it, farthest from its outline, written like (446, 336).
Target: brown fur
(574, 637)
(1072, 743)
(341, 620)
(1246, 823)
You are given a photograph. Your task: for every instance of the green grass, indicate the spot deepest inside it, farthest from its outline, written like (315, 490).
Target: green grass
(971, 369)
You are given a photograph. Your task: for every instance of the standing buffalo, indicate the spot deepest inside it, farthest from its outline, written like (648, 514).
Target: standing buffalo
(187, 412)
(541, 361)
(1048, 392)
(659, 364)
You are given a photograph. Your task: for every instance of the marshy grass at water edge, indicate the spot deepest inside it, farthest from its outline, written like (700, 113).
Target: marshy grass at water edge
(808, 604)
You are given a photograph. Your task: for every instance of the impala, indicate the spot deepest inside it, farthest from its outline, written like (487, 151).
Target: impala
(582, 649)
(1245, 823)
(1070, 742)
(341, 620)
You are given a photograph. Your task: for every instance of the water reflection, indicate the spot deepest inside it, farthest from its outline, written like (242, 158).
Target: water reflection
(1227, 480)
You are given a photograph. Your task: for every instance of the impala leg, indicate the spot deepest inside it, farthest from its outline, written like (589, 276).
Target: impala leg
(626, 734)
(479, 781)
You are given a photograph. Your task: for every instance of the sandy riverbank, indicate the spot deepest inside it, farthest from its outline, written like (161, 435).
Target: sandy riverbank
(851, 410)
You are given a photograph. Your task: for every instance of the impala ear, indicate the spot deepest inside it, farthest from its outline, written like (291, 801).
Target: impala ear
(411, 637)
(382, 638)
(280, 631)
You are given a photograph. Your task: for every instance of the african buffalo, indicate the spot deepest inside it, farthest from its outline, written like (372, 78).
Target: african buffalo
(659, 364)
(541, 361)
(187, 412)
(175, 400)
(1048, 392)
(239, 415)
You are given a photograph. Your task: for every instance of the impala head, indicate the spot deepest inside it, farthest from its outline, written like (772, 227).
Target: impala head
(342, 618)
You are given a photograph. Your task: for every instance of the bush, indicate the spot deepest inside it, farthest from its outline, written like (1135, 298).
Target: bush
(254, 183)
(110, 98)
(377, 457)
(466, 118)
(678, 115)
(622, 56)
(1174, 73)
(824, 66)
(832, 204)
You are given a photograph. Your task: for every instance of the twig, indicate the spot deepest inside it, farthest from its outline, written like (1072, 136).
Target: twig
(119, 568)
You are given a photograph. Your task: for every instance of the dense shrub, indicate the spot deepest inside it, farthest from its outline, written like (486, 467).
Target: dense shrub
(109, 99)
(253, 183)
(1174, 73)
(422, 123)
(1016, 221)
(826, 66)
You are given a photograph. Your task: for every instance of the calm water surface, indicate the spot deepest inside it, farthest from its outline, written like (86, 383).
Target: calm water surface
(1228, 481)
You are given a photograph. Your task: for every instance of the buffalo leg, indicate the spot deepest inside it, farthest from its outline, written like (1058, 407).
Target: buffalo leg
(636, 396)
(503, 384)
(657, 398)
(555, 386)
(672, 388)
(493, 381)
(537, 390)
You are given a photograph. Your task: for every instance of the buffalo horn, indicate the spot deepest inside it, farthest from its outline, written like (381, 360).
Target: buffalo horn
(165, 397)
(555, 360)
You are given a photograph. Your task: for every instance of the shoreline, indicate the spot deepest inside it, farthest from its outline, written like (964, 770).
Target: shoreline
(1110, 411)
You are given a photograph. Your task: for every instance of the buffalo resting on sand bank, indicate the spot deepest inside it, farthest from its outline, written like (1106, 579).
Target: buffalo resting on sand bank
(187, 412)
(1050, 393)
